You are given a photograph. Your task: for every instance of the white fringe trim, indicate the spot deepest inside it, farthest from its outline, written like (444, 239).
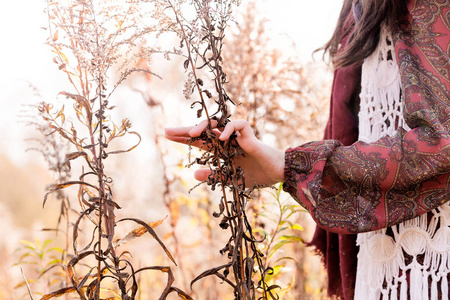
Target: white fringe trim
(382, 268)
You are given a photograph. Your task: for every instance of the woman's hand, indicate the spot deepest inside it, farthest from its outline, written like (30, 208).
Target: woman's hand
(262, 164)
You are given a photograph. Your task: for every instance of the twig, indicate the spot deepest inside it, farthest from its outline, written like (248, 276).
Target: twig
(26, 282)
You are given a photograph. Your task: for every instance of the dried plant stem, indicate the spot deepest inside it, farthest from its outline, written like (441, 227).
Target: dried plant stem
(232, 226)
(191, 61)
(214, 142)
(240, 226)
(98, 160)
(220, 155)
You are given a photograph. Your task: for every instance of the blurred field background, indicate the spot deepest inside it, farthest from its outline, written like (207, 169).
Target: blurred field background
(291, 31)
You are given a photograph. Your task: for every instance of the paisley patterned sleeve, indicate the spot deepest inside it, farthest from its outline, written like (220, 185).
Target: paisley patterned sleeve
(364, 187)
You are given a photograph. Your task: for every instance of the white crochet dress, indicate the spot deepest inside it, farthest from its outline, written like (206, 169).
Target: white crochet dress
(418, 248)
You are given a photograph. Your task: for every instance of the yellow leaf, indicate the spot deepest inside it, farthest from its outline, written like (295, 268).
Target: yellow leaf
(61, 115)
(55, 36)
(138, 232)
(174, 209)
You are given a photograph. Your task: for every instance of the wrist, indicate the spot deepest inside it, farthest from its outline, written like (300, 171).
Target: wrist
(281, 166)
(275, 165)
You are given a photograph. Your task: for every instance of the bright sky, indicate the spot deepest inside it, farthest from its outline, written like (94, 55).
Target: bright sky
(309, 23)
(25, 59)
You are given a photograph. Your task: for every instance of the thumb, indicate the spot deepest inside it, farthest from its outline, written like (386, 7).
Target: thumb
(202, 174)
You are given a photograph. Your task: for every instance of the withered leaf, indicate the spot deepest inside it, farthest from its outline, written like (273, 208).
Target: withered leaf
(79, 257)
(75, 155)
(92, 288)
(180, 293)
(153, 233)
(60, 292)
(55, 36)
(163, 269)
(83, 281)
(129, 149)
(273, 287)
(75, 230)
(208, 93)
(59, 186)
(221, 209)
(214, 271)
(137, 232)
(174, 209)
(81, 101)
(224, 223)
(61, 115)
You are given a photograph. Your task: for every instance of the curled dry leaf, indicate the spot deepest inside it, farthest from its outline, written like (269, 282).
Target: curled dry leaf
(137, 233)
(150, 230)
(60, 292)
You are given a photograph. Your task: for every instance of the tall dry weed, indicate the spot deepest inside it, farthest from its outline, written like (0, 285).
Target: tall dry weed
(88, 38)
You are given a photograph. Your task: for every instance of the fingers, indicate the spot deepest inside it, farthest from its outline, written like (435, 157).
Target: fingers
(197, 130)
(202, 174)
(181, 135)
(190, 131)
(252, 148)
(239, 126)
(178, 130)
(178, 134)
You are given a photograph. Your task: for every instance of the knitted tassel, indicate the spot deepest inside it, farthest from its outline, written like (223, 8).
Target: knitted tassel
(434, 289)
(425, 285)
(404, 291)
(445, 285)
(385, 294)
(415, 281)
(394, 292)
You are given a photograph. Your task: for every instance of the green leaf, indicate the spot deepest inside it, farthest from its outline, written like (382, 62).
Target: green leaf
(283, 241)
(285, 258)
(278, 246)
(26, 255)
(28, 244)
(46, 243)
(23, 283)
(57, 249)
(297, 227)
(55, 261)
(26, 263)
(292, 238)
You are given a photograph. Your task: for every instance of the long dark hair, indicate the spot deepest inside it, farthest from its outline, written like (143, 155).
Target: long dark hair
(360, 21)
